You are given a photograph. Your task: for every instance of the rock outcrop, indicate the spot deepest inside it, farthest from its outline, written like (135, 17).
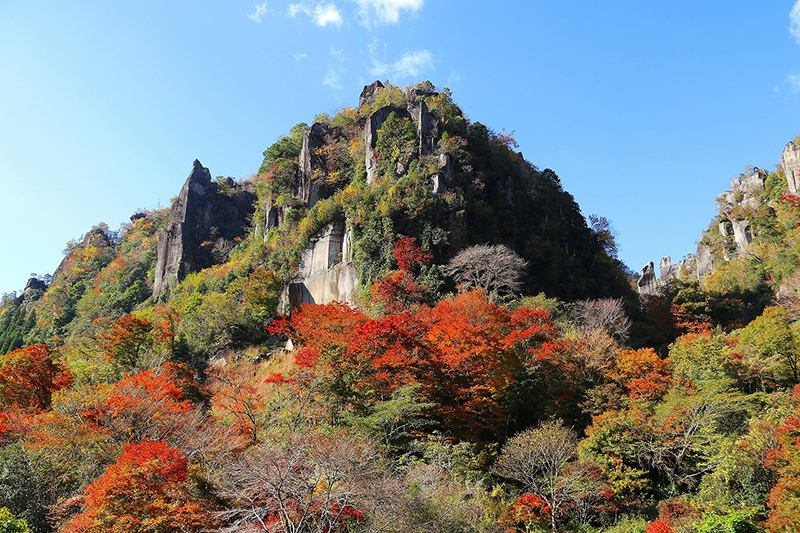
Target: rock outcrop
(203, 224)
(368, 93)
(790, 163)
(306, 188)
(326, 271)
(97, 237)
(647, 284)
(428, 130)
(35, 284)
(743, 196)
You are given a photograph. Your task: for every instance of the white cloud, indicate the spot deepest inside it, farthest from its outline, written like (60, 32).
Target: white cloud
(323, 14)
(794, 82)
(333, 76)
(410, 65)
(261, 10)
(794, 18)
(376, 12)
(299, 57)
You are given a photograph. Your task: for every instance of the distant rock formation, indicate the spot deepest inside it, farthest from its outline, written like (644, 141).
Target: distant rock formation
(326, 271)
(744, 193)
(203, 224)
(736, 231)
(790, 163)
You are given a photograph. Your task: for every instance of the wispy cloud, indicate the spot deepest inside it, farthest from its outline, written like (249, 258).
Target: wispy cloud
(261, 10)
(376, 12)
(794, 18)
(322, 14)
(333, 75)
(794, 82)
(300, 56)
(410, 65)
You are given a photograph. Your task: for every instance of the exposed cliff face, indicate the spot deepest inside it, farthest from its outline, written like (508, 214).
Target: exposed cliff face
(306, 188)
(326, 272)
(203, 225)
(790, 163)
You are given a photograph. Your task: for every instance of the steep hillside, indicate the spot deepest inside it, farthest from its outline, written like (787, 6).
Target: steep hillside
(322, 216)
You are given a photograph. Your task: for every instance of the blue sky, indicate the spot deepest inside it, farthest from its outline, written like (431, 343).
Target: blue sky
(644, 109)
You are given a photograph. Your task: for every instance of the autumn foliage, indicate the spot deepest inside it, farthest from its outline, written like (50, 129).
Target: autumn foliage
(28, 377)
(465, 352)
(147, 489)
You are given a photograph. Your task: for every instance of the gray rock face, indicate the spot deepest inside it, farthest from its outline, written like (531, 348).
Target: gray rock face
(201, 227)
(427, 127)
(273, 215)
(440, 180)
(742, 235)
(369, 92)
(306, 189)
(666, 269)
(683, 269)
(790, 163)
(705, 261)
(326, 272)
(744, 193)
(415, 92)
(173, 243)
(647, 284)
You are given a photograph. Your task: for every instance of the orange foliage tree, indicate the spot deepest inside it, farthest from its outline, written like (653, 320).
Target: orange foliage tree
(29, 376)
(465, 353)
(146, 406)
(147, 489)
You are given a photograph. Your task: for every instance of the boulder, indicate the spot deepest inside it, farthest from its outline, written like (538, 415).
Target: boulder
(35, 284)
